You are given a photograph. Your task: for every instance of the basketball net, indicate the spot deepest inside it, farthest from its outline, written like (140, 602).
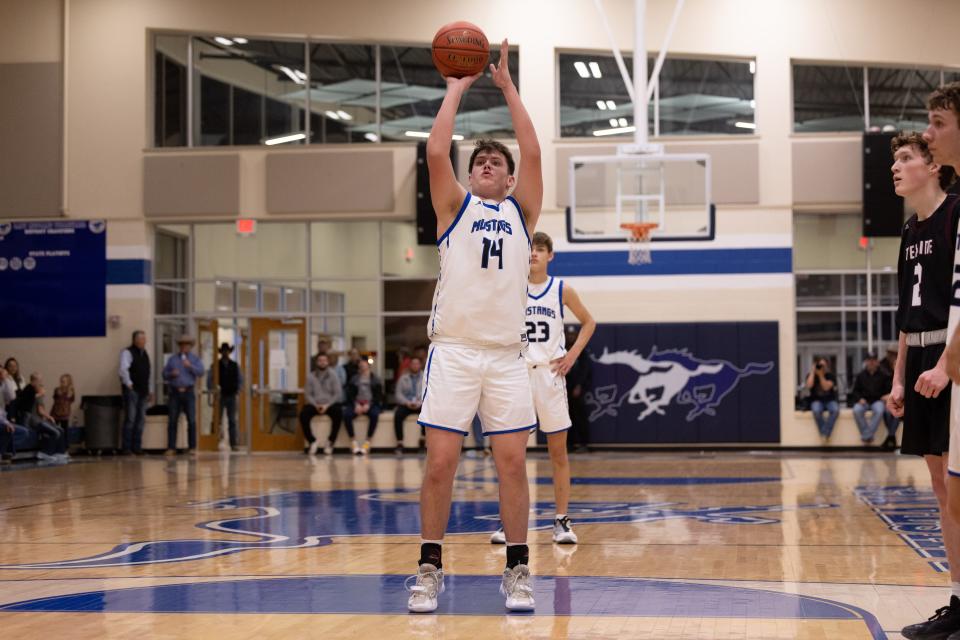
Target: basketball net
(638, 241)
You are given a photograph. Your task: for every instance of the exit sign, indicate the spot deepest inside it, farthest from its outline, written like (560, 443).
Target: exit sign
(246, 226)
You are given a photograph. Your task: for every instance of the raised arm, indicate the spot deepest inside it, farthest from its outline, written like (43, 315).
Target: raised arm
(529, 190)
(446, 194)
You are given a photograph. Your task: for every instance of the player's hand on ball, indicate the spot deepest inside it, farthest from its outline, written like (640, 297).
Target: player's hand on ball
(895, 401)
(932, 382)
(461, 83)
(500, 74)
(562, 366)
(953, 361)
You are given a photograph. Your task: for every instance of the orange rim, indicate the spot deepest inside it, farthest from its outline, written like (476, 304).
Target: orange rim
(640, 230)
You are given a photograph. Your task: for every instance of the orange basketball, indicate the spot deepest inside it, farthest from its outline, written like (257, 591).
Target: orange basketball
(460, 49)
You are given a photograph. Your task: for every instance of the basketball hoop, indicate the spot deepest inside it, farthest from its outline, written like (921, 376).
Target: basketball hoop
(639, 241)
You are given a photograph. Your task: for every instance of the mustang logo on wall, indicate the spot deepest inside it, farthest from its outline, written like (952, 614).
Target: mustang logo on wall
(663, 383)
(673, 374)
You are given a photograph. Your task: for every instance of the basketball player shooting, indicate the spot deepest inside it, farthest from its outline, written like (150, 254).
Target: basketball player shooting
(476, 363)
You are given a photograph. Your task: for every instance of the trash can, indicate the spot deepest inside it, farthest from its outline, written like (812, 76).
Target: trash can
(101, 419)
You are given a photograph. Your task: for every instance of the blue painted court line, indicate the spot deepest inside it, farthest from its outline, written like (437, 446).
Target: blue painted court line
(465, 595)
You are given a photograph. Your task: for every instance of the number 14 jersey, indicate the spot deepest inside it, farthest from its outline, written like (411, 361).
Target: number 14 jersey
(482, 287)
(925, 269)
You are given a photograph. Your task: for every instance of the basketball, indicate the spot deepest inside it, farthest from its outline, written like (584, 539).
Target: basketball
(460, 49)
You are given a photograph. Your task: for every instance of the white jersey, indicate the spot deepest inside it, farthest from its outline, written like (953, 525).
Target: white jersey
(482, 287)
(953, 322)
(545, 322)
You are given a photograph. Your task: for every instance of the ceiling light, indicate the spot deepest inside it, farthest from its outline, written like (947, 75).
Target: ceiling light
(611, 105)
(416, 134)
(581, 69)
(293, 137)
(227, 42)
(289, 73)
(745, 125)
(622, 122)
(753, 66)
(601, 105)
(614, 123)
(595, 70)
(344, 115)
(240, 40)
(332, 115)
(614, 131)
(372, 137)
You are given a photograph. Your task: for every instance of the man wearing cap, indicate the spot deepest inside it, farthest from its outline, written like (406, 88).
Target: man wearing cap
(181, 373)
(229, 383)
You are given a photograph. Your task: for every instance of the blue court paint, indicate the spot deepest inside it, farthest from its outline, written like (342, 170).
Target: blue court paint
(654, 481)
(464, 595)
(674, 262)
(914, 515)
(299, 519)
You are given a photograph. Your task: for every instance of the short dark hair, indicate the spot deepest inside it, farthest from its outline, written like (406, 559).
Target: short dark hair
(914, 139)
(540, 239)
(133, 337)
(417, 358)
(489, 144)
(946, 98)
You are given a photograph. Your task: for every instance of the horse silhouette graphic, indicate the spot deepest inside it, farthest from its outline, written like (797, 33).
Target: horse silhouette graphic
(668, 376)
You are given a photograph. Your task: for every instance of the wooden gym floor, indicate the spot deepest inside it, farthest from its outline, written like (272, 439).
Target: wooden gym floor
(673, 545)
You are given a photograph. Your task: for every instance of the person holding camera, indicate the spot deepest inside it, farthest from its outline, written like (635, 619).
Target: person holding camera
(822, 385)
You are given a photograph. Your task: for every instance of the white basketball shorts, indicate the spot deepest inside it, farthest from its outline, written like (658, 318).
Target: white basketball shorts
(549, 399)
(462, 382)
(953, 457)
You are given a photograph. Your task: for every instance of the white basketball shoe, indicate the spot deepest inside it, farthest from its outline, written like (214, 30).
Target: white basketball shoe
(423, 594)
(516, 587)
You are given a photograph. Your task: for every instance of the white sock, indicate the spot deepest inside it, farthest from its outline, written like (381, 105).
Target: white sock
(561, 516)
(439, 542)
(955, 589)
(515, 544)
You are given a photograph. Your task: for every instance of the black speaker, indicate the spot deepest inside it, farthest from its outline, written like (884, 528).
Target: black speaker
(882, 207)
(426, 218)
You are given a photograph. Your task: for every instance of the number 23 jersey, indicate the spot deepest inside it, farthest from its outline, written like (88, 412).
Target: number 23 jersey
(925, 269)
(545, 322)
(481, 291)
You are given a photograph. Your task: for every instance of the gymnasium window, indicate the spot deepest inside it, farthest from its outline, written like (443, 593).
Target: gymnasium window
(832, 312)
(364, 284)
(836, 97)
(694, 96)
(249, 91)
(170, 91)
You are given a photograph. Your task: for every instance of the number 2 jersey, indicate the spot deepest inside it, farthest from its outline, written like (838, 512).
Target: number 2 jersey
(481, 291)
(925, 269)
(545, 322)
